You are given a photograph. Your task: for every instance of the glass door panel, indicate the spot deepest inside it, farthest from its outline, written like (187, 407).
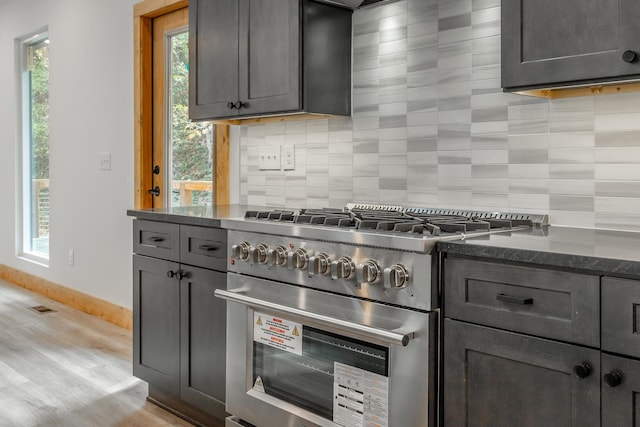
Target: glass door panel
(191, 144)
(308, 380)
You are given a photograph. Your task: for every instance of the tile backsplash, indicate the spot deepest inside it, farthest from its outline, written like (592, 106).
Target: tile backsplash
(431, 127)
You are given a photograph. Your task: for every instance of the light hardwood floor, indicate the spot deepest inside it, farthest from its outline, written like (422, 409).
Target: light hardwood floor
(67, 368)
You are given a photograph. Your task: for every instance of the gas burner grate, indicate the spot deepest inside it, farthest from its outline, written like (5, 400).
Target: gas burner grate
(384, 218)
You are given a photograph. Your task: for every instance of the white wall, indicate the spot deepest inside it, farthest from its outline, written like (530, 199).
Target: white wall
(91, 111)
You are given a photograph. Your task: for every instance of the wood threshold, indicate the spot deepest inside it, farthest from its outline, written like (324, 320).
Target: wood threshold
(102, 309)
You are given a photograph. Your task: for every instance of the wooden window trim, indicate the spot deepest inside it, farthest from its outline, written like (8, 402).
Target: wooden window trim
(143, 14)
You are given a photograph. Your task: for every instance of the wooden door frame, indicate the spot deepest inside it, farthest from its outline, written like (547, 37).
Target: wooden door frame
(143, 14)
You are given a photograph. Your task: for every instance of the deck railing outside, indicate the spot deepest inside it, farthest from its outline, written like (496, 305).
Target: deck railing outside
(185, 190)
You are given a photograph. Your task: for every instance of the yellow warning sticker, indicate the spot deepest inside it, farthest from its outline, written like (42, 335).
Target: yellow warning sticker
(277, 332)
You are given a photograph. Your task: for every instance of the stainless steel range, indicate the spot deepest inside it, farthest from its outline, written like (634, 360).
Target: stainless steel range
(332, 314)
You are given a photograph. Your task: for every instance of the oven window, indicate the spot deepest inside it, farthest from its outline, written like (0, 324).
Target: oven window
(306, 378)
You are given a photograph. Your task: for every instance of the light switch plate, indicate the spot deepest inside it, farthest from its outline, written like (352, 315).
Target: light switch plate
(288, 156)
(269, 157)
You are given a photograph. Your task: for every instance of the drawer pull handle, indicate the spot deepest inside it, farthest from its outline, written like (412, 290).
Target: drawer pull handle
(613, 378)
(514, 300)
(208, 248)
(582, 370)
(156, 239)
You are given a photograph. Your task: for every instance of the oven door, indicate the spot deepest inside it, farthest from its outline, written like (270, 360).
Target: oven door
(301, 357)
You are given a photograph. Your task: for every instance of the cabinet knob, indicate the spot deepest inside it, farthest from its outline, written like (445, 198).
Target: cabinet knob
(582, 370)
(171, 274)
(230, 105)
(629, 56)
(613, 378)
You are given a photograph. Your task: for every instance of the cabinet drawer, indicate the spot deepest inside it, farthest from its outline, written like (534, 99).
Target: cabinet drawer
(156, 239)
(621, 316)
(203, 247)
(546, 303)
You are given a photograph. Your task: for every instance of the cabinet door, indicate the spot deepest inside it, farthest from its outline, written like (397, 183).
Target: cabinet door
(571, 41)
(213, 55)
(156, 317)
(494, 378)
(621, 316)
(621, 402)
(269, 56)
(203, 338)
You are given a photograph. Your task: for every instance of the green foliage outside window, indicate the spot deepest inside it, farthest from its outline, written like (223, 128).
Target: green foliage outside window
(192, 142)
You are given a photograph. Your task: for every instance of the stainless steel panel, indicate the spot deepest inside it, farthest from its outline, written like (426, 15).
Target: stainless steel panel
(411, 368)
(420, 292)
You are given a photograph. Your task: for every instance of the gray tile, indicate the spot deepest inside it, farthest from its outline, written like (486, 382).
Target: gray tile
(572, 171)
(490, 171)
(618, 221)
(572, 203)
(528, 186)
(489, 114)
(393, 34)
(617, 189)
(617, 139)
(454, 22)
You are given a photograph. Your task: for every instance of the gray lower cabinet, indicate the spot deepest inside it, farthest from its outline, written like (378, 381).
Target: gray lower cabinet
(521, 345)
(179, 327)
(547, 43)
(203, 339)
(620, 335)
(257, 57)
(620, 391)
(495, 378)
(156, 323)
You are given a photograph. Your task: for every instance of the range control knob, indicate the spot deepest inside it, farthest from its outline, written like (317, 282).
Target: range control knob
(298, 259)
(368, 272)
(395, 276)
(319, 264)
(277, 256)
(241, 251)
(342, 268)
(258, 254)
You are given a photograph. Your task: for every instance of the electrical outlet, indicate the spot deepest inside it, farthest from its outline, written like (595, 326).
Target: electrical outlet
(288, 157)
(269, 158)
(71, 257)
(105, 161)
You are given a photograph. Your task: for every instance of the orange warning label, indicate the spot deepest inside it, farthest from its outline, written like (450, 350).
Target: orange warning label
(277, 332)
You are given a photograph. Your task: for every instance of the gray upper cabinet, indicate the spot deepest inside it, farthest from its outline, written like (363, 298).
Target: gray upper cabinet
(551, 43)
(264, 57)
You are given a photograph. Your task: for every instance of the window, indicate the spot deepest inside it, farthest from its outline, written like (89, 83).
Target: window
(190, 144)
(35, 147)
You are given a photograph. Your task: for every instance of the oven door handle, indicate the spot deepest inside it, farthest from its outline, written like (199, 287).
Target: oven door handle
(381, 336)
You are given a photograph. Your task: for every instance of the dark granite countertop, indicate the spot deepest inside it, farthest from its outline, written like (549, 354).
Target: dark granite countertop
(595, 251)
(207, 216)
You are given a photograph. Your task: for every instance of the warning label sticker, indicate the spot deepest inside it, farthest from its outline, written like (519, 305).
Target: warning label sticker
(360, 398)
(277, 332)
